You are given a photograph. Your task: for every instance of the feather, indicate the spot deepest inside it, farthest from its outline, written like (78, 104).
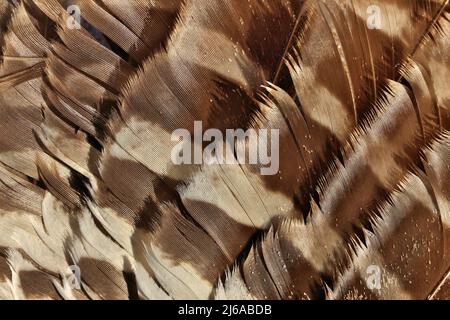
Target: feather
(27, 282)
(404, 228)
(87, 179)
(398, 245)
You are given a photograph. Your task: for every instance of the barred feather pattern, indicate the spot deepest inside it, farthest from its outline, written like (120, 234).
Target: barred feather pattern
(92, 205)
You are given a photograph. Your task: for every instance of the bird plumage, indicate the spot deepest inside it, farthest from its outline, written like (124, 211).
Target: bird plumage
(88, 185)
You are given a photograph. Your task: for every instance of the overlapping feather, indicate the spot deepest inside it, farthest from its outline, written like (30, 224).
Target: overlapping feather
(85, 169)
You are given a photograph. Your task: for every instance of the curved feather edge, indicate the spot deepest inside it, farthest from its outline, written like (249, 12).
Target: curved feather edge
(397, 243)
